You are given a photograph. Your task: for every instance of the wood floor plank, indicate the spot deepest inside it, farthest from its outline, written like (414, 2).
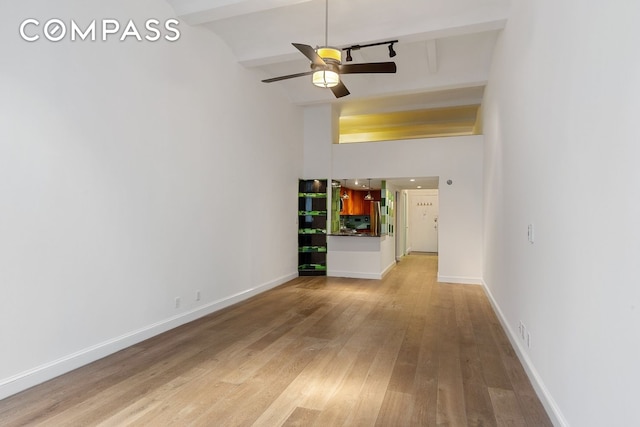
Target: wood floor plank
(315, 351)
(365, 344)
(317, 382)
(257, 359)
(374, 388)
(396, 409)
(301, 417)
(494, 372)
(426, 379)
(250, 399)
(164, 375)
(451, 405)
(186, 405)
(321, 379)
(36, 404)
(404, 370)
(532, 408)
(476, 395)
(506, 408)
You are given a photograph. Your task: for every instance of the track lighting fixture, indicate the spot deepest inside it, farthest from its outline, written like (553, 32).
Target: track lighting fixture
(392, 51)
(349, 58)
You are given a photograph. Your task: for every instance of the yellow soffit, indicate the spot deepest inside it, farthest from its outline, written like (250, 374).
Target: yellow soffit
(426, 123)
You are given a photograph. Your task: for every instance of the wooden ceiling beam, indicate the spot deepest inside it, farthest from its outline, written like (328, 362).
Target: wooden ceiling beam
(432, 56)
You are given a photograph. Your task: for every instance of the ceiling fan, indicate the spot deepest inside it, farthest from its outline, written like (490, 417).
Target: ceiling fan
(326, 65)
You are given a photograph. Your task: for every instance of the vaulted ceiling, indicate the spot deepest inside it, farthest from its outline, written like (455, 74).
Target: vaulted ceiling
(443, 57)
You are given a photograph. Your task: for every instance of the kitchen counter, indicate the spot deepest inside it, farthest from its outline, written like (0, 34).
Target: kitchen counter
(360, 258)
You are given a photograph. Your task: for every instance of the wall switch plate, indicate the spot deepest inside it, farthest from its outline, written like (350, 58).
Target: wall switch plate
(197, 295)
(528, 339)
(178, 302)
(530, 233)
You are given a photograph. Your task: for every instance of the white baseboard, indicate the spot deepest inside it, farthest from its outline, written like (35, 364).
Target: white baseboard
(460, 280)
(361, 275)
(545, 397)
(24, 380)
(389, 268)
(354, 274)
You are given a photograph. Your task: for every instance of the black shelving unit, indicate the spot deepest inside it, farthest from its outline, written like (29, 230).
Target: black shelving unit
(312, 227)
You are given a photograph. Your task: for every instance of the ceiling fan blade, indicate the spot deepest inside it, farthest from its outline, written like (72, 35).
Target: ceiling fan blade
(368, 68)
(340, 90)
(310, 53)
(290, 76)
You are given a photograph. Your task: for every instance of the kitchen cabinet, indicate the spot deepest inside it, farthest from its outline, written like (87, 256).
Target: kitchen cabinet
(356, 204)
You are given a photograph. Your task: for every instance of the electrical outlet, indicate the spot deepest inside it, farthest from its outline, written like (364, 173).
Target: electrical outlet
(197, 295)
(528, 339)
(177, 302)
(530, 233)
(521, 330)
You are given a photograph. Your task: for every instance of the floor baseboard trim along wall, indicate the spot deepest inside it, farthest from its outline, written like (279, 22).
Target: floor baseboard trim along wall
(389, 268)
(459, 280)
(24, 380)
(354, 275)
(543, 394)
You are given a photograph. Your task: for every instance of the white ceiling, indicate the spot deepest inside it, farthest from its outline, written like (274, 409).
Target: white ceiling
(443, 52)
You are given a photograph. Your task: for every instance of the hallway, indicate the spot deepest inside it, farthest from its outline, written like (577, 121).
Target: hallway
(316, 351)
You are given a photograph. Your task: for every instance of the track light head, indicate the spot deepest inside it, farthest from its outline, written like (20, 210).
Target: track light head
(392, 52)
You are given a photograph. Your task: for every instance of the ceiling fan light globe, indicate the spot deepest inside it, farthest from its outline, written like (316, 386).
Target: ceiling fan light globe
(326, 78)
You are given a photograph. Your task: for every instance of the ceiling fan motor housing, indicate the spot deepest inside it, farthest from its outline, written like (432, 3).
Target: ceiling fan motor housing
(332, 58)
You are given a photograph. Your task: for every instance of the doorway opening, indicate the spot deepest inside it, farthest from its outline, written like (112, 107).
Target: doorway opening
(422, 215)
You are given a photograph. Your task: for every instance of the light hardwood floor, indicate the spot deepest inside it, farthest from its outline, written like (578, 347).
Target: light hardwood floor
(403, 351)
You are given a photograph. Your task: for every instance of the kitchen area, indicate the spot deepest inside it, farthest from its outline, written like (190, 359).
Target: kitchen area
(347, 227)
(361, 242)
(359, 209)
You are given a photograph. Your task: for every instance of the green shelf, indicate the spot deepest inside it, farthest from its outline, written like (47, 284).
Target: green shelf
(312, 231)
(312, 249)
(312, 213)
(313, 195)
(314, 267)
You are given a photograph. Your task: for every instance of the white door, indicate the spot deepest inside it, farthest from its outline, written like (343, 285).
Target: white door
(424, 222)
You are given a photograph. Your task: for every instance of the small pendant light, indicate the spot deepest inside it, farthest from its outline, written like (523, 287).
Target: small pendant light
(345, 195)
(369, 196)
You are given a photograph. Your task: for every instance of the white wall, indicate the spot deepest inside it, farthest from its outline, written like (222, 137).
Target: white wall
(455, 158)
(318, 135)
(387, 253)
(132, 173)
(561, 153)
